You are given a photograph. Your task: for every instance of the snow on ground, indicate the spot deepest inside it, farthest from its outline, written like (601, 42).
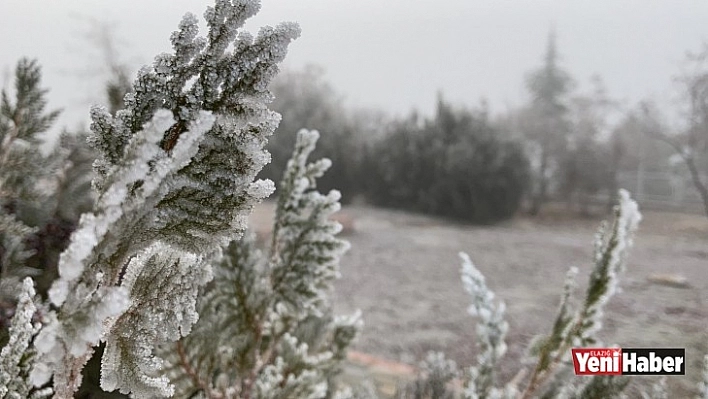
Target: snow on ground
(403, 273)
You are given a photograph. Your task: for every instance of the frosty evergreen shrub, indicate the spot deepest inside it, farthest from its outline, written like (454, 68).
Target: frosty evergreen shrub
(22, 166)
(575, 325)
(265, 327)
(36, 205)
(437, 375)
(456, 165)
(16, 355)
(174, 183)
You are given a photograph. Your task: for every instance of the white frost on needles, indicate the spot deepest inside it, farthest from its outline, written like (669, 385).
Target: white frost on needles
(22, 330)
(114, 204)
(173, 278)
(611, 250)
(83, 284)
(491, 331)
(491, 328)
(175, 172)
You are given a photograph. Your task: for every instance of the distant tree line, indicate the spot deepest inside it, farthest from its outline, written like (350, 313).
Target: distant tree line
(562, 145)
(457, 164)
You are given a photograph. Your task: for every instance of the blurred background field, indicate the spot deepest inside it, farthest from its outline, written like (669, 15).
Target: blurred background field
(403, 273)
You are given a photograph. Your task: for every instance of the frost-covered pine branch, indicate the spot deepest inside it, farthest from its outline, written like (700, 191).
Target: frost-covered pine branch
(436, 373)
(491, 331)
(21, 123)
(175, 182)
(16, 355)
(265, 328)
(14, 254)
(22, 169)
(611, 249)
(579, 328)
(570, 328)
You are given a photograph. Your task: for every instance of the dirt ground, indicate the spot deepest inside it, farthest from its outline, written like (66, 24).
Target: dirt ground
(402, 272)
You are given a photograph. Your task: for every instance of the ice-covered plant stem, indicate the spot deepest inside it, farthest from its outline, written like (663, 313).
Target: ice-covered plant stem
(491, 330)
(610, 258)
(16, 356)
(570, 328)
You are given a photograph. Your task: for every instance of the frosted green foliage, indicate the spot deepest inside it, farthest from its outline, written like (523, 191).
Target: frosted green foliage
(22, 120)
(89, 291)
(175, 182)
(265, 329)
(491, 328)
(547, 348)
(13, 254)
(16, 356)
(436, 372)
(611, 250)
(571, 327)
(172, 278)
(304, 254)
(202, 75)
(579, 327)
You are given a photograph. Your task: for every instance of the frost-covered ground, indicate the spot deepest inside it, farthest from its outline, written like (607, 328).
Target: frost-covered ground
(403, 273)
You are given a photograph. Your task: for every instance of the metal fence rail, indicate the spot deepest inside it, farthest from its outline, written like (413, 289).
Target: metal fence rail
(658, 190)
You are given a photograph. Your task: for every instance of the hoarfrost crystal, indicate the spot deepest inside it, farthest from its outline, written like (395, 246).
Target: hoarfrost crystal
(265, 326)
(175, 182)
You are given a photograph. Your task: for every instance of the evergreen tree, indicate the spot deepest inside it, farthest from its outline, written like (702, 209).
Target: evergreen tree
(24, 176)
(591, 160)
(546, 121)
(456, 165)
(691, 144)
(174, 184)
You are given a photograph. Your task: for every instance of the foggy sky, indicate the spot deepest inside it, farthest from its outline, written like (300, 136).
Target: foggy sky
(393, 55)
